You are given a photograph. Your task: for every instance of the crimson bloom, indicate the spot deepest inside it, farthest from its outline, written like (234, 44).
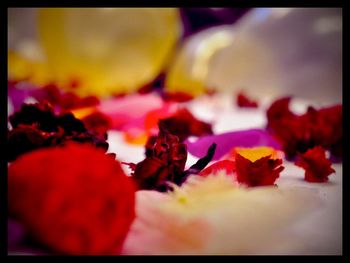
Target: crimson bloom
(73, 199)
(317, 167)
(261, 172)
(298, 133)
(37, 125)
(165, 162)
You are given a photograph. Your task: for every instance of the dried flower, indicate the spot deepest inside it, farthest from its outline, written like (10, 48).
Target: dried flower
(165, 162)
(298, 133)
(317, 167)
(36, 126)
(256, 168)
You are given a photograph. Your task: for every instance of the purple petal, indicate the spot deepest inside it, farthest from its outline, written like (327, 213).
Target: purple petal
(19, 92)
(15, 233)
(226, 141)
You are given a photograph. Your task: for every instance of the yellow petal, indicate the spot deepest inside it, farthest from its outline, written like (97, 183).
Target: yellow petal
(255, 153)
(108, 50)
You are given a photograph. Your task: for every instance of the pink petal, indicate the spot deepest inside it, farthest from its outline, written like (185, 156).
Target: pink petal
(226, 141)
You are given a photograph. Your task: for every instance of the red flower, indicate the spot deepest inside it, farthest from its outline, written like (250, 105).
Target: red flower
(72, 199)
(36, 126)
(165, 162)
(98, 122)
(317, 167)
(244, 102)
(183, 124)
(68, 100)
(298, 133)
(227, 166)
(263, 171)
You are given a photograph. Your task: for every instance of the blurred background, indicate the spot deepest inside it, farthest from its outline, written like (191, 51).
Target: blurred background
(268, 52)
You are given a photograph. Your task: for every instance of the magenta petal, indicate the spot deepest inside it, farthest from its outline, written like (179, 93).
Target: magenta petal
(18, 93)
(15, 233)
(130, 111)
(226, 141)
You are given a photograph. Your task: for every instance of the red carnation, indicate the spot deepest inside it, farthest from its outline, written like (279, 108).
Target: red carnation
(244, 102)
(317, 167)
(298, 133)
(165, 162)
(263, 171)
(72, 199)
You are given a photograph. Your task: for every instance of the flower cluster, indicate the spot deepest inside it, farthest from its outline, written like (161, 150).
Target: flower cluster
(37, 125)
(298, 133)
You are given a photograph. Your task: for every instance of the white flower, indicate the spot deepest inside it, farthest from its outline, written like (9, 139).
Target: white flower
(213, 215)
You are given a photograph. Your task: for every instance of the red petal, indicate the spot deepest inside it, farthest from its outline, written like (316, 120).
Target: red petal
(244, 102)
(227, 166)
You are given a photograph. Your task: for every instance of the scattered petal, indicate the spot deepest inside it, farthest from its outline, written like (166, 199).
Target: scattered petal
(226, 141)
(227, 166)
(118, 109)
(212, 215)
(244, 102)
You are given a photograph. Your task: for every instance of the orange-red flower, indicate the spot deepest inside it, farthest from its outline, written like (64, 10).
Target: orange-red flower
(255, 171)
(317, 167)
(298, 133)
